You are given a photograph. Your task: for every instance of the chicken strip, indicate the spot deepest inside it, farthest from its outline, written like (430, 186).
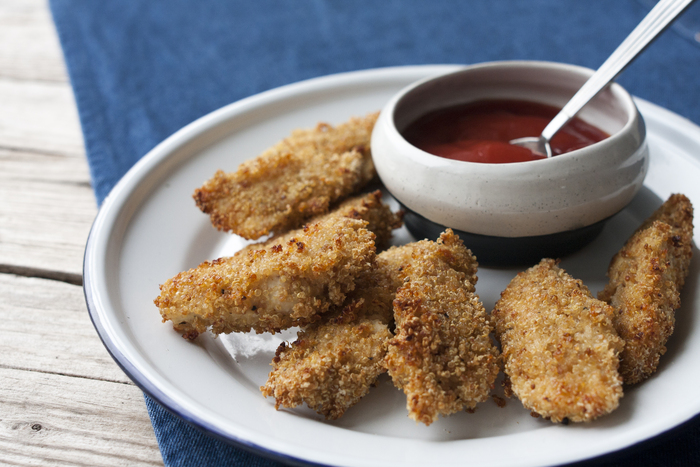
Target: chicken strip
(646, 278)
(381, 221)
(273, 288)
(442, 356)
(291, 182)
(559, 346)
(334, 362)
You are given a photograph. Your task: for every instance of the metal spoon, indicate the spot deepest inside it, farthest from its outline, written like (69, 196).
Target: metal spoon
(651, 26)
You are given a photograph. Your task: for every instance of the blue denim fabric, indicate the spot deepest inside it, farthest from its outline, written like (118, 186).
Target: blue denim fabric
(142, 69)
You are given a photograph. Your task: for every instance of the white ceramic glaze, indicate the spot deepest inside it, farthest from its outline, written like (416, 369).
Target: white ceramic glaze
(148, 229)
(566, 192)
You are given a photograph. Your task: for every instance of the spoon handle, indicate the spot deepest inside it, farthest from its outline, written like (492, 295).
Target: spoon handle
(651, 26)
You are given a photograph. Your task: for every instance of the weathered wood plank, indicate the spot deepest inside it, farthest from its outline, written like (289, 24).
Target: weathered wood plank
(39, 117)
(63, 401)
(38, 109)
(30, 49)
(46, 205)
(37, 167)
(46, 210)
(45, 326)
(48, 419)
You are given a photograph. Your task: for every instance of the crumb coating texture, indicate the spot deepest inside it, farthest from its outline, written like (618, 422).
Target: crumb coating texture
(296, 179)
(272, 288)
(449, 249)
(645, 280)
(441, 356)
(333, 363)
(329, 367)
(676, 211)
(558, 344)
(380, 220)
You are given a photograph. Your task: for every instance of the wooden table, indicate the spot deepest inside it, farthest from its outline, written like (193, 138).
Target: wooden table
(63, 400)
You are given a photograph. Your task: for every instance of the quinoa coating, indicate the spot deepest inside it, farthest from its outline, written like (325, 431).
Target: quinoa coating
(441, 356)
(380, 220)
(369, 207)
(646, 278)
(449, 249)
(334, 362)
(559, 346)
(329, 367)
(273, 288)
(291, 182)
(676, 211)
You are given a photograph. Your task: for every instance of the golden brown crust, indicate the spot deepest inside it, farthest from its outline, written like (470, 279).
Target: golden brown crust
(273, 288)
(441, 356)
(291, 182)
(646, 277)
(449, 249)
(334, 362)
(380, 220)
(676, 211)
(558, 343)
(329, 367)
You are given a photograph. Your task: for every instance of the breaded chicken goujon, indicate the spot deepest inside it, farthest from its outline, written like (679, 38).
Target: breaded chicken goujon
(441, 356)
(291, 182)
(646, 278)
(274, 288)
(559, 346)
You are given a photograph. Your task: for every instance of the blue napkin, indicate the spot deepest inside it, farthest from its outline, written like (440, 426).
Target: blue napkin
(142, 69)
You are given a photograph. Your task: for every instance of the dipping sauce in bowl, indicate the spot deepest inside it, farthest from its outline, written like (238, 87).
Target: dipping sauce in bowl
(509, 213)
(480, 131)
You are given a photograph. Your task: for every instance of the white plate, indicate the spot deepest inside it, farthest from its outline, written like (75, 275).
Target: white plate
(149, 229)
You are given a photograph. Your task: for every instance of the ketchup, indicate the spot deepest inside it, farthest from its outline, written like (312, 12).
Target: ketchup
(480, 131)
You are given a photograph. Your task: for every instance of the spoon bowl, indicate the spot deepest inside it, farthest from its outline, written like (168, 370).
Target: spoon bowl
(537, 145)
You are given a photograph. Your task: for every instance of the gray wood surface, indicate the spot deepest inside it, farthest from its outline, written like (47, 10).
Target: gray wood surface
(63, 400)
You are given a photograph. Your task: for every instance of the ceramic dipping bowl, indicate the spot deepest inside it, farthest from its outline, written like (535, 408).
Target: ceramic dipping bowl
(513, 213)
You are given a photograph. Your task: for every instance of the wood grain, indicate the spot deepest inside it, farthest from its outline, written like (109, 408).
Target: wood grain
(39, 117)
(46, 204)
(63, 400)
(50, 419)
(46, 210)
(30, 50)
(45, 327)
